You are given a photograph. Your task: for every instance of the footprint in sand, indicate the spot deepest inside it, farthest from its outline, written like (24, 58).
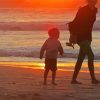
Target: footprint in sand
(36, 96)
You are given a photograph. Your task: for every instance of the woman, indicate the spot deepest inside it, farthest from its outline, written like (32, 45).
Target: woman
(83, 24)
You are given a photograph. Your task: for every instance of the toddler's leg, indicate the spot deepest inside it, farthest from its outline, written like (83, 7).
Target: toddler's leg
(53, 77)
(45, 76)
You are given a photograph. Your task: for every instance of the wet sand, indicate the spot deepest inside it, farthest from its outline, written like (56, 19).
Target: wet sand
(17, 83)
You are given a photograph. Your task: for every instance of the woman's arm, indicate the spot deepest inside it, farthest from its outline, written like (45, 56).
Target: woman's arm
(61, 49)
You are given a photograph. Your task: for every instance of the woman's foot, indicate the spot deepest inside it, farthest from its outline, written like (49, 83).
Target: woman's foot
(53, 83)
(44, 83)
(95, 81)
(75, 82)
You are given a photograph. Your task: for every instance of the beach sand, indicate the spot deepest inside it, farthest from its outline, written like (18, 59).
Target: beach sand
(18, 83)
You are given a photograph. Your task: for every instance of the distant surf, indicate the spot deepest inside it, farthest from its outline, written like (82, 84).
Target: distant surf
(31, 26)
(23, 32)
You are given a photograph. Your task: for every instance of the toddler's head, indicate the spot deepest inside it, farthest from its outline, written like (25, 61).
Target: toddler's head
(54, 33)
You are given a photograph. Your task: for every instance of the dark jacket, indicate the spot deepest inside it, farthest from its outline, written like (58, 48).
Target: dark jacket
(82, 25)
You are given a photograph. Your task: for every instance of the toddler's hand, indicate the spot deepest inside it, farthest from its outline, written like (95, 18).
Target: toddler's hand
(41, 57)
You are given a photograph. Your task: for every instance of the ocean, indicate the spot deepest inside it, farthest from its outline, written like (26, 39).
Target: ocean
(23, 31)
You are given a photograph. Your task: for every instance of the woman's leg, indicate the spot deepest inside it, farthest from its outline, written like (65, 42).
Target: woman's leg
(78, 65)
(91, 63)
(90, 56)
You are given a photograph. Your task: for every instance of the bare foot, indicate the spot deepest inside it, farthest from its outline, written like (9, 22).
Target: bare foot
(95, 82)
(45, 83)
(53, 83)
(75, 82)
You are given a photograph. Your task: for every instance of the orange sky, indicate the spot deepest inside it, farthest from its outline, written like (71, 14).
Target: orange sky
(41, 3)
(51, 3)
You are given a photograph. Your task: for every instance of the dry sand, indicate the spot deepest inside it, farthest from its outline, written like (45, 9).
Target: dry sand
(27, 84)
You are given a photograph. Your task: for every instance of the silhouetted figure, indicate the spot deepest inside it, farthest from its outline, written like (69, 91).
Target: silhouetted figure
(81, 27)
(52, 46)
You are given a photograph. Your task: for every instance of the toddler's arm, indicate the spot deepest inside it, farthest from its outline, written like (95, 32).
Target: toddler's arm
(43, 48)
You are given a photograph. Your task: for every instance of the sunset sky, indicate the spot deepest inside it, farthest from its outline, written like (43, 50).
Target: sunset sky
(41, 3)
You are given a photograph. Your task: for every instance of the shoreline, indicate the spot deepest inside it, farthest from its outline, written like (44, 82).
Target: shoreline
(68, 67)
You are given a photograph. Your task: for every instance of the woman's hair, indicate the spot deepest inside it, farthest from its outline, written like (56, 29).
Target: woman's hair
(53, 33)
(92, 1)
